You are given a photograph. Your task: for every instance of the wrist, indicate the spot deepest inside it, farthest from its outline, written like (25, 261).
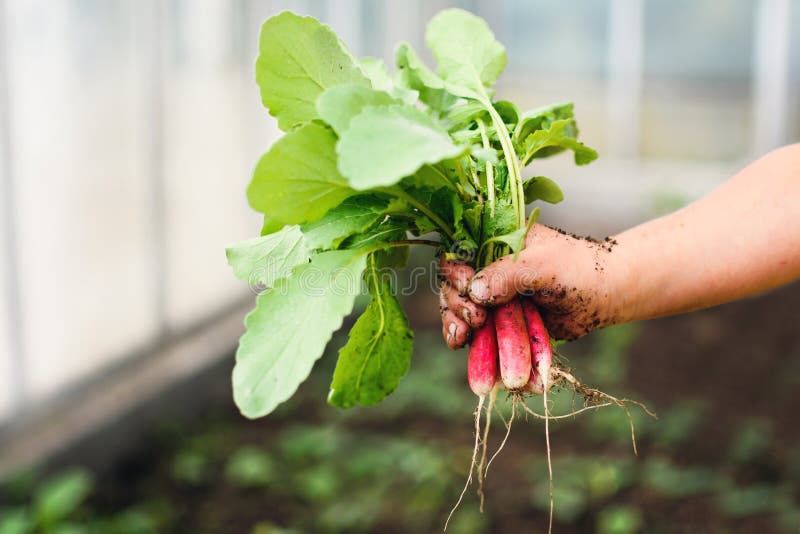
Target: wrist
(622, 282)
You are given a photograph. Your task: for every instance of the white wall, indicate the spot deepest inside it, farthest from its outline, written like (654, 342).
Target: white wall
(82, 214)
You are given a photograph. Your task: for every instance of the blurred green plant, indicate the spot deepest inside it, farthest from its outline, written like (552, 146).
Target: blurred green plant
(582, 481)
(53, 507)
(753, 500)
(250, 467)
(661, 475)
(190, 467)
(751, 440)
(677, 424)
(608, 364)
(621, 519)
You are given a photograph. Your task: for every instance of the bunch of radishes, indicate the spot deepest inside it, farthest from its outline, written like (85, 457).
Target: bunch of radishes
(512, 348)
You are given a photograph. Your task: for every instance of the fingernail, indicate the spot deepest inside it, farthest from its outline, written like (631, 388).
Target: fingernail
(452, 330)
(479, 289)
(466, 315)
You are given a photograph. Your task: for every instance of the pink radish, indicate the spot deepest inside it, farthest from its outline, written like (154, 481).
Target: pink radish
(514, 349)
(541, 351)
(534, 385)
(482, 363)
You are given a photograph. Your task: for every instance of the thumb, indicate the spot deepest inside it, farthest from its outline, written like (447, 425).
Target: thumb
(502, 280)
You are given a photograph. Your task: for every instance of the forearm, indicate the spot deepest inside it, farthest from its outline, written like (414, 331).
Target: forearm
(741, 239)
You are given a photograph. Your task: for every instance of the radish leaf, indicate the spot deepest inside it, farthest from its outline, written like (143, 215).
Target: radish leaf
(378, 352)
(385, 144)
(279, 348)
(296, 181)
(542, 188)
(375, 70)
(298, 59)
(355, 215)
(470, 58)
(270, 226)
(560, 135)
(541, 119)
(263, 260)
(338, 105)
(412, 73)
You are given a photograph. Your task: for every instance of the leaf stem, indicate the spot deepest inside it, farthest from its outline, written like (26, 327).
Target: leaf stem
(442, 175)
(443, 226)
(404, 242)
(474, 173)
(515, 176)
(489, 169)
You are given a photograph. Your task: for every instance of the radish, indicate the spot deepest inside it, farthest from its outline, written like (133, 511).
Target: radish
(482, 363)
(541, 351)
(534, 384)
(514, 349)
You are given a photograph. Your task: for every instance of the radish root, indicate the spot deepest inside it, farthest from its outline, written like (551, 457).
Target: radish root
(478, 411)
(514, 401)
(545, 387)
(484, 445)
(593, 398)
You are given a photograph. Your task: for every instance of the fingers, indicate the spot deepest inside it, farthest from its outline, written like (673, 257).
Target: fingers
(530, 271)
(458, 274)
(462, 306)
(502, 280)
(455, 331)
(458, 312)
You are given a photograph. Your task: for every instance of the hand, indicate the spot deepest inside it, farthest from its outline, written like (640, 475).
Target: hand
(569, 277)
(459, 314)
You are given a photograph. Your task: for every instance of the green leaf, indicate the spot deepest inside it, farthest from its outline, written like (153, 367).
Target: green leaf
(270, 226)
(297, 181)
(542, 188)
(378, 352)
(15, 521)
(385, 144)
(430, 176)
(463, 114)
(338, 105)
(390, 230)
(541, 119)
(484, 154)
(508, 111)
(263, 260)
(298, 59)
(503, 222)
(61, 497)
(423, 225)
(468, 55)
(375, 70)
(473, 216)
(393, 257)
(289, 328)
(412, 73)
(355, 215)
(560, 135)
(516, 239)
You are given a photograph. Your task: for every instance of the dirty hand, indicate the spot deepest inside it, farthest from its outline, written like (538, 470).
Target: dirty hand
(567, 276)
